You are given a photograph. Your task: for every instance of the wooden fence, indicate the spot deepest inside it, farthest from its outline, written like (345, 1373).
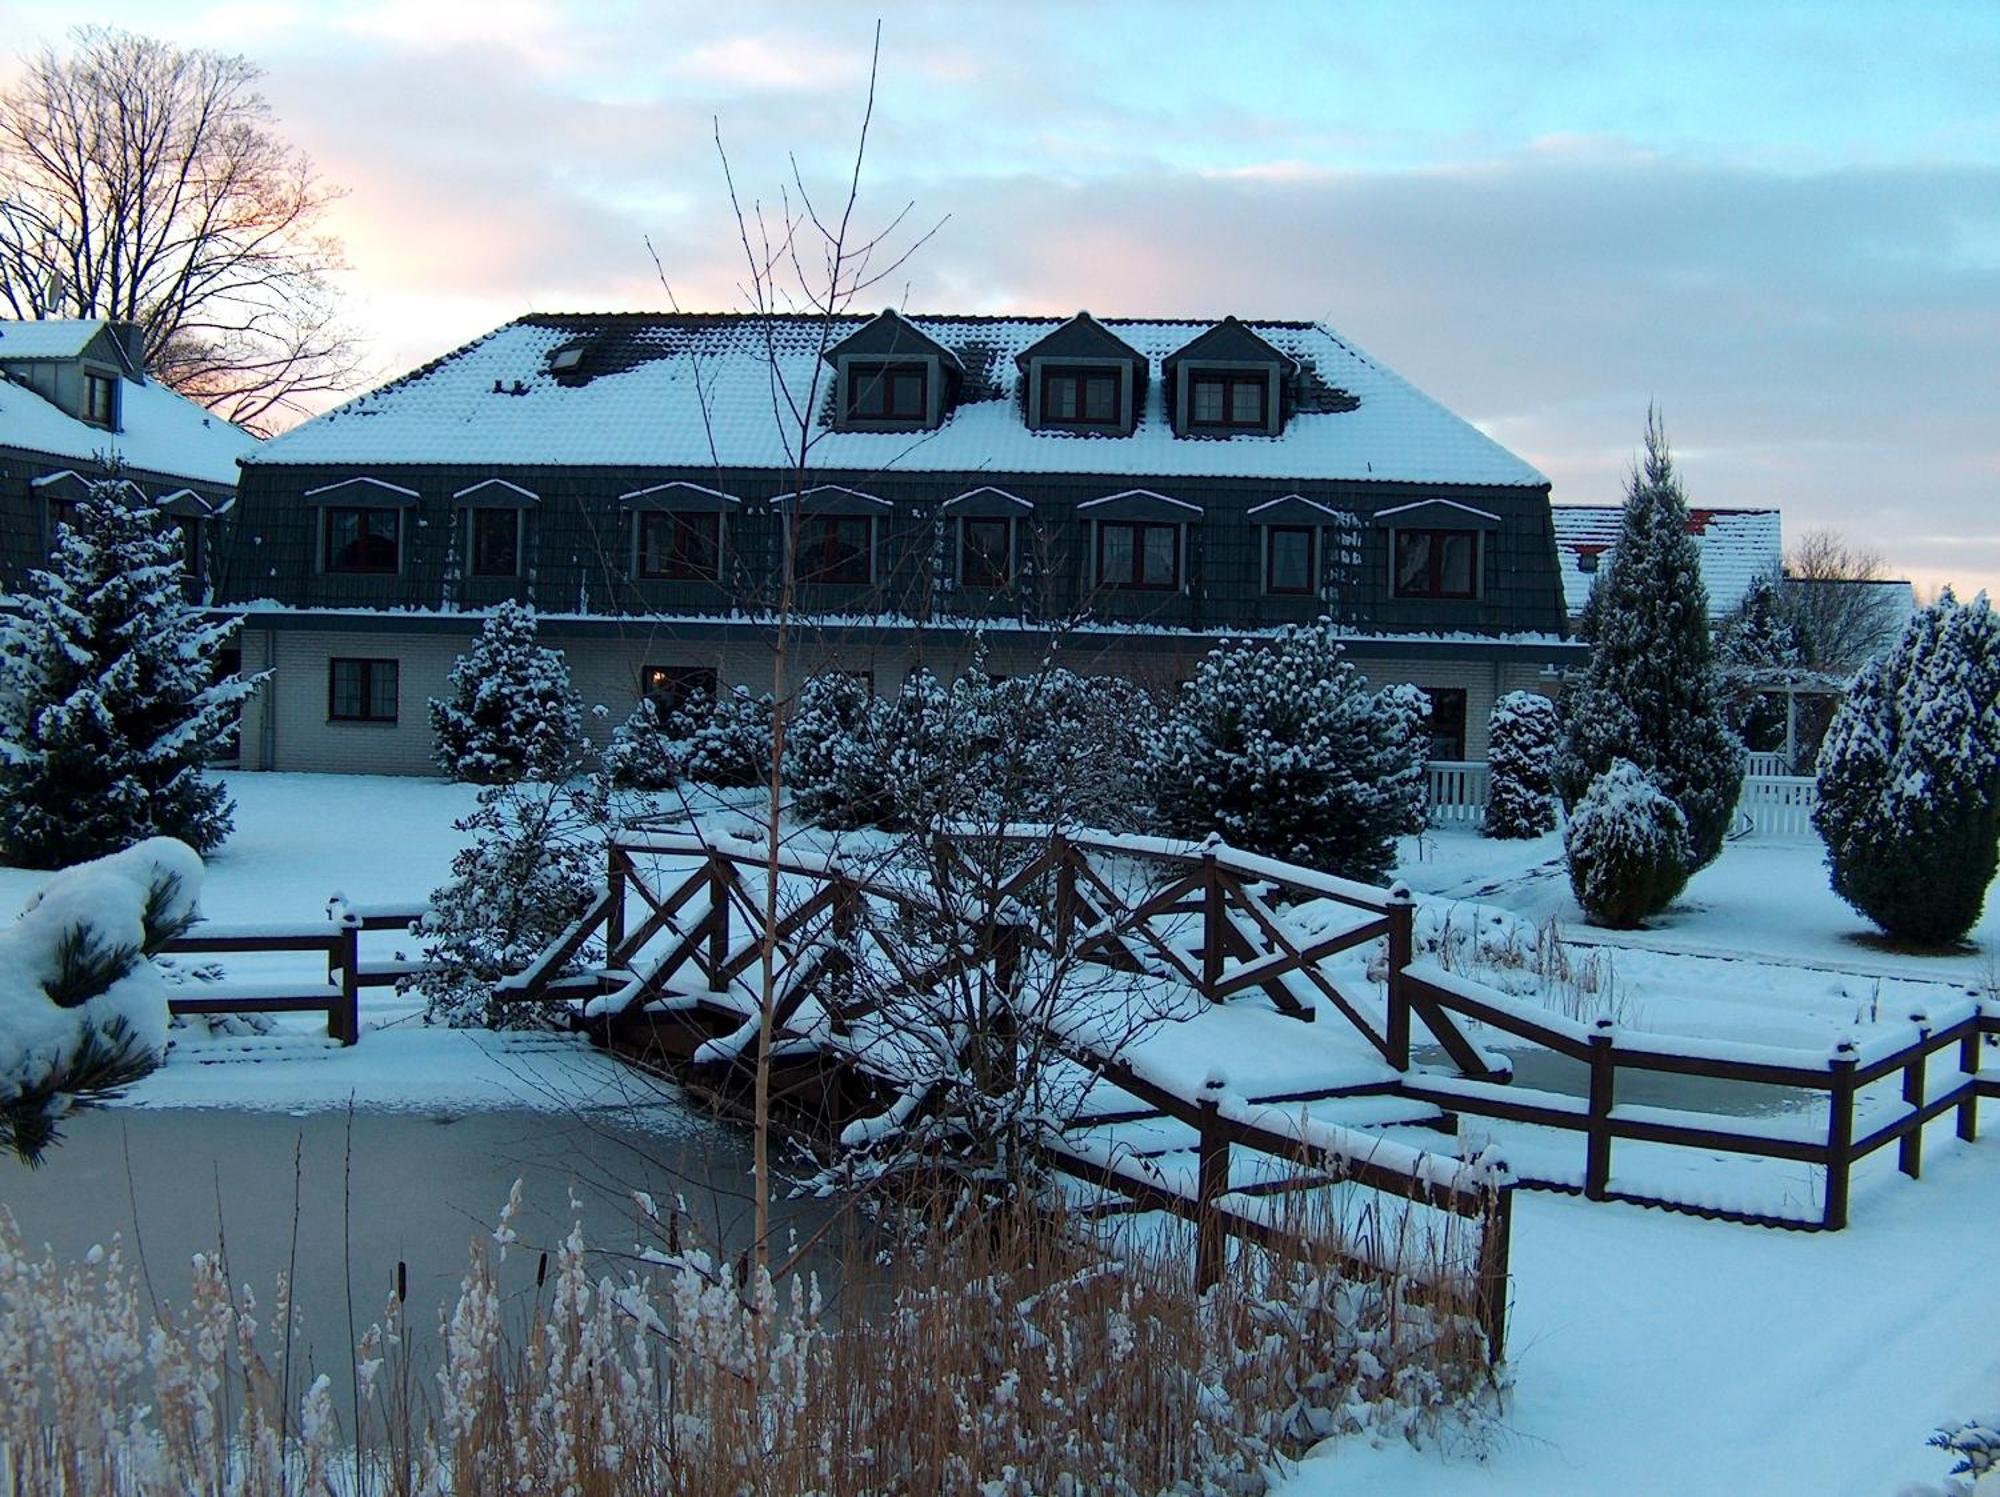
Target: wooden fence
(1481, 1089)
(679, 953)
(1773, 804)
(1778, 805)
(1457, 791)
(337, 939)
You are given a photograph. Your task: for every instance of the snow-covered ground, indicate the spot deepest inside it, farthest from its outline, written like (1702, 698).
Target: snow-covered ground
(1652, 1353)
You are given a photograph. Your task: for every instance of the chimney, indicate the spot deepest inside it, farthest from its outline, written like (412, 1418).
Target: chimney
(131, 339)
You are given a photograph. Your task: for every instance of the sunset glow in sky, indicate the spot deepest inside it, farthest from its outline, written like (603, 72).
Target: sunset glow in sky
(1781, 224)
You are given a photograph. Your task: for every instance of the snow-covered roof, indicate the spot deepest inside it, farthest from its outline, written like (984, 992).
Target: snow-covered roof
(637, 398)
(1737, 545)
(52, 339)
(162, 432)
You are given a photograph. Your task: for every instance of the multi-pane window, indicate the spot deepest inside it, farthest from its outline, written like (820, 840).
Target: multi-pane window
(1447, 724)
(1229, 400)
(681, 545)
(362, 540)
(984, 552)
(1080, 397)
(1288, 558)
(100, 400)
(1138, 554)
(496, 543)
(886, 392)
(1437, 564)
(836, 548)
(361, 691)
(671, 687)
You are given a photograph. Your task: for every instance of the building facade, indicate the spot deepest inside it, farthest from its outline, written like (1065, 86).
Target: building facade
(1116, 494)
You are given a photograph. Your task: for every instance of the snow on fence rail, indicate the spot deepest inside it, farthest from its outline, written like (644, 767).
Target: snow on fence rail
(338, 938)
(1437, 995)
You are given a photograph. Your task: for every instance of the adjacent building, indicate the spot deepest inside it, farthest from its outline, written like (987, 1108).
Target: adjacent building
(76, 405)
(1122, 493)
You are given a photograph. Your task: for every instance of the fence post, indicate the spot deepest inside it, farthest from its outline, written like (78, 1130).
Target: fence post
(1840, 1136)
(1065, 919)
(719, 879)
(1495, 1241)
(344, 1022)
(1211, 1243)
(1402, 922)
(617, 865)
(1603, 1080)
(1910, 1148)
(1212, 916)
(1968, 1063)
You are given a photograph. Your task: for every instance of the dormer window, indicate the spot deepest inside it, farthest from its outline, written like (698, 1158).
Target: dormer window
(1230, 400)
(1080, 397)
(895, 393)
(100, 400)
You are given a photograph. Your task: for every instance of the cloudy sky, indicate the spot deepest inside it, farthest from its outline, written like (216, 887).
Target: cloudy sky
(1781, 224)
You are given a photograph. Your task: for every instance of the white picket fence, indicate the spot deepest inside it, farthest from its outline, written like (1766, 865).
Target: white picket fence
(1775, 805)
(1765, 765)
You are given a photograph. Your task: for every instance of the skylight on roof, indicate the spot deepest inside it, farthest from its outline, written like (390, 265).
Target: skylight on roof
(565, 359)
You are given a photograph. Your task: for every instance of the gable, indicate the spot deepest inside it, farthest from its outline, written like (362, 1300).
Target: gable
(890, 335)
(1229, 342)
(1082, 337)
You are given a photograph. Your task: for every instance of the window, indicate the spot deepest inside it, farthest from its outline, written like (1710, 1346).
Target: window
(836, 548)
(1080, 397)
(100, 400)
(886, 392)
(670, 687)
(1447, 723)
(1437, 564)
(680, 545)
(985, 552)
(1138, 555)
(1229, 400)
(496, 543)
(361, 691)
(1288, 558)
(363, 540)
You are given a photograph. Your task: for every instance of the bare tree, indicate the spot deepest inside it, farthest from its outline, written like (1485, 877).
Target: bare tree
(1834, 600)
(143, 182)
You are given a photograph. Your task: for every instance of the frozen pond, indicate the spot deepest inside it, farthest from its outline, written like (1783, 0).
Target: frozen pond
(1545, 1071)
(421, 1186)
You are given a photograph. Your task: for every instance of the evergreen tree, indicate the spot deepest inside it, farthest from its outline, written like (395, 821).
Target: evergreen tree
(1909, 776)
(512, 714)
(1409, 707)
(1520, 753)
(1626, 844)
(1283, 750)
(835, 737)
(1756, 641)
(727, 744)
(645, 753)
(1651, 693)
(1073, 748)
(109, 699)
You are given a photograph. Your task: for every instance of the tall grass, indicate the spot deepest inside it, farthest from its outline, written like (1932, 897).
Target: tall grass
(1017, 1355)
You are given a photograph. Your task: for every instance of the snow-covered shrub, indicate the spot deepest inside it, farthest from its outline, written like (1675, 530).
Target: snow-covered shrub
(1073, 748)
(835, 737)
(1909, 776)
(1520, 753)
(1410, 708)
(511, 714)
(727, 744)
(109, 699)
(1976, 1444)
(644, 752)
(1281, 747)
(83, 1009)
(1627, 846)
(535, 862)
(1651, 693)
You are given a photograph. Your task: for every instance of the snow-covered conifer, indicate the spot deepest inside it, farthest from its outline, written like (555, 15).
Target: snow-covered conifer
(835, 737)
(1409, 707)
(83, 1009)
(1755, 643)
(1520, 752)
(1072, 748)
(1627, 847)
(109, 699)
(532, 866)
(644, 752)
(1651, 693)
(1909, 776)
(729, 744)
(511, 714)
(1281, 747)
